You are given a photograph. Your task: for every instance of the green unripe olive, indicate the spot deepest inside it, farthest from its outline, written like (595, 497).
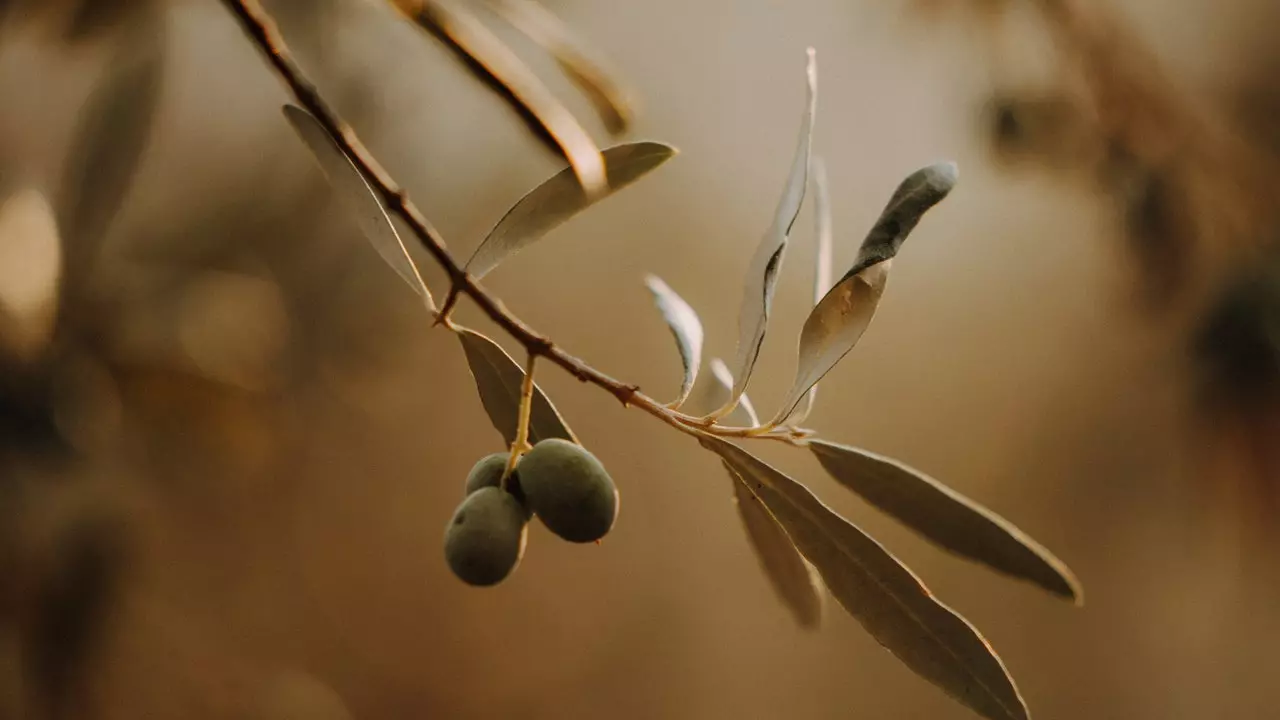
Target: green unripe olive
(488, 473)
(569, 490)
(485, 539)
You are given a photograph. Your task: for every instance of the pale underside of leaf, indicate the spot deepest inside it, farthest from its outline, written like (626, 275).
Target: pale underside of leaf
(494, 63)
(744, 413)
(882, 594)
(762, 273)
(558, 199)
(794, 580)
(30, 269)
(685, 327)
(822, 261)
(834, 327)
(946, 517)
(357, 197)
(499, 379)
(548, 31)
(109, 145)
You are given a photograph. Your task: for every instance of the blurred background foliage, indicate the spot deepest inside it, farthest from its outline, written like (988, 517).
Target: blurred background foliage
(226, 475)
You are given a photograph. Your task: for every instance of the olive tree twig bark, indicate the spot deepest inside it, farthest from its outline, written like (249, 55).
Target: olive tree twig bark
(261, 29)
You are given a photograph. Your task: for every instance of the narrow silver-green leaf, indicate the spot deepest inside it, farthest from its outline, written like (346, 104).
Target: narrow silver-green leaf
(946, 517)
(744, 413)
(547, 30)
(499, 378)
(685, 326)
(357, 197)
(822, 260)
(496, 65)
(834, 327)
(794, 580)
(762, 273)
(882, 593)
(558, 199)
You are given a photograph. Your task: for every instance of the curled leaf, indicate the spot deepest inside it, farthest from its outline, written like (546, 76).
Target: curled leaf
(685, 326)
(822, 263)
(499, 379)
(762, 274)
(842, 316)
(547, 30)
(354, 193)
(792, 577)
(882, 593)
(558, 199)
(744, 413)
(946, 517)
(497, 66)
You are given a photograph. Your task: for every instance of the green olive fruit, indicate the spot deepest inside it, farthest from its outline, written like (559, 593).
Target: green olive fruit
(488, 473)
(569, 490)
(485, 539)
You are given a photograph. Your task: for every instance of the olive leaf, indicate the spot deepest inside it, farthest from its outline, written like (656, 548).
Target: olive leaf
(843, 314)
(794, 580)
(354, 193)
(745, 412)
(548, 31)
(822, 260)
(499, 379)
(762, 274)
(109, 145)
(882, 593)
(946, 517)
(685, 326)
(498, 67)
(558, 199)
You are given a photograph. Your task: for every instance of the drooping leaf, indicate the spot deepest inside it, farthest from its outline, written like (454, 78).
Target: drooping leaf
(744, 413)
(558, 199)
(794, 580)
(845, 312)
(109, 144)
(499, 379)
(822, 263)
(547, 30)
(762, 274)
(946, 517)
(685, 326)
(30, 269)
(882, 593)
(497, 66)
(354, 193)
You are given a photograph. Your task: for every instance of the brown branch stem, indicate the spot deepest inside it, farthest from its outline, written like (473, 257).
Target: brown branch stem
(262, 30)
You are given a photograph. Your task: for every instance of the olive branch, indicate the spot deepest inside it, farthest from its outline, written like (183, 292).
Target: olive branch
(803, 545)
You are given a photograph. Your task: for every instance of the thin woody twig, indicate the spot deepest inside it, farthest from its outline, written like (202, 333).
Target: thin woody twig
(261, 29)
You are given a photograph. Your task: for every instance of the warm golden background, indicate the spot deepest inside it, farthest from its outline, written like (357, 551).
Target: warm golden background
(283, 448)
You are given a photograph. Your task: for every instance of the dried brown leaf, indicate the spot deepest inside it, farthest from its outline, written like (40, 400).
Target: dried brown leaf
(547, 30)
(495, 64)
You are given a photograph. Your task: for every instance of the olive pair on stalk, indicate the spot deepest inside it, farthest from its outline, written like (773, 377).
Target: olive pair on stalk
(559, 481)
